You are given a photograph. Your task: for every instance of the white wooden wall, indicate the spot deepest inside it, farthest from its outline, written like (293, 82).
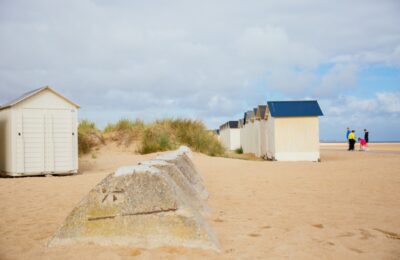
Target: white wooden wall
(230, 138)
(296, 139)
(253, 138)
(5, 140)
(282, 139)
(41, 134)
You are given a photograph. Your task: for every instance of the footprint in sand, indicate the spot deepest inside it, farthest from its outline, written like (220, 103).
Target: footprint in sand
(346, 234)
(365, 234)
(318, 225)
(388, 234)
(218, 220)
(229, 250)
(136, 252)
(254, 235)
(265, 227)
(356, 250)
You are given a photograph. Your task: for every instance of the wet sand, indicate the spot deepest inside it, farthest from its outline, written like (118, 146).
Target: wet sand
(345, 207)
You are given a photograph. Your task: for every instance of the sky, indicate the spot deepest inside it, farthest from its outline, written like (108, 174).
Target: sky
(209, 60)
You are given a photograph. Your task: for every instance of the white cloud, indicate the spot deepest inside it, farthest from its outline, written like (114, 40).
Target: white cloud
(382, 104)
(191, 57)
(389, 101)
(271, 46)
(379, 114)
(290, 81)
(388, 57)
(341, 77)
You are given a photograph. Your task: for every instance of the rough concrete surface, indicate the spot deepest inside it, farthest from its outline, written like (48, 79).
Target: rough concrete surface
(181, 158)
(148, 205)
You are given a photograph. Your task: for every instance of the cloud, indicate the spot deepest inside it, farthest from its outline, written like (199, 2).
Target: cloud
(272, 46)
(383, 104)
(380, 114)
(203, 59)
(389, 57)
(389, 101)
(340, 78)
(290, 81)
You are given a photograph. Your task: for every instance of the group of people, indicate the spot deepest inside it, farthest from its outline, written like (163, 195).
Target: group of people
(351, 138)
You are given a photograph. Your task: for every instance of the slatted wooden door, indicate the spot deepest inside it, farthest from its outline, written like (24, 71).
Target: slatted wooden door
(45, 141)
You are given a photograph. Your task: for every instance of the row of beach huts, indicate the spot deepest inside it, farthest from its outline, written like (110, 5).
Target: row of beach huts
(39, 135)
(279, 130)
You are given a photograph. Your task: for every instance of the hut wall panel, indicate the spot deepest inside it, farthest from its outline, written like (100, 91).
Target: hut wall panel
(5, 140)
(297, 138)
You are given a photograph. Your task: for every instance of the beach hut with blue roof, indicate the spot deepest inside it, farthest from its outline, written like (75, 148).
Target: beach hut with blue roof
(293, 130)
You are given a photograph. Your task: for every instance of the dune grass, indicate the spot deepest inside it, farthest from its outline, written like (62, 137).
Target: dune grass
(88, 136)
(160, 135)
(169, 134)
(125, 131)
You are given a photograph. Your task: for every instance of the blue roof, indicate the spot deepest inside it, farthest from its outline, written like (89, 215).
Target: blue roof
(294, 108)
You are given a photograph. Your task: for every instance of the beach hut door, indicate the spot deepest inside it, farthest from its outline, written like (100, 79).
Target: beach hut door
(45, 141)
(30, 141)
(62, 140)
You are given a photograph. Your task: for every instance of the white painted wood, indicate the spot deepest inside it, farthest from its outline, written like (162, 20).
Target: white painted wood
(254, 137)
(282, 138)
(295, 139)
(5, 140)
(42, 136)
(230, 138)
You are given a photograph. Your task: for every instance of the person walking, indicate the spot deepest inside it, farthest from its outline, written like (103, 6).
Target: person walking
(352, 140)
(366, 136)
(347, 136)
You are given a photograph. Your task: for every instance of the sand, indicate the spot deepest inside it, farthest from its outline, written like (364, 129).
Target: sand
(346, 207)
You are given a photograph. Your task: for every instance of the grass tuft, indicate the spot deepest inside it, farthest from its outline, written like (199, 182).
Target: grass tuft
(125, 131)
(239, 150)
(161, 135)
(168, 134)
(88, 136)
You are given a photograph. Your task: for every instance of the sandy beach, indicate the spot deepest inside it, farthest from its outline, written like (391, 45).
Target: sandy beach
(346, 207)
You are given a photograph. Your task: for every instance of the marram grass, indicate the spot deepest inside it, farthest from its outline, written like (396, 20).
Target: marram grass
(160, 135)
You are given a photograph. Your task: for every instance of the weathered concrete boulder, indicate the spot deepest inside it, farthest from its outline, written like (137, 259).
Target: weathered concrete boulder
(170, 169)
(181, 158)
(136, 206)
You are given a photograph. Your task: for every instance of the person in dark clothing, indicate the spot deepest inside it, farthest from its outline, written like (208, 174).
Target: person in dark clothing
(352, 140)
(366, 136)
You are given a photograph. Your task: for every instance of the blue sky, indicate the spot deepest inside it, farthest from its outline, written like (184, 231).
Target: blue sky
(209, 60)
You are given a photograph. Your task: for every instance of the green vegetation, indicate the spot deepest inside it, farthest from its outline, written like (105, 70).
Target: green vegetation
(161, 135)
(88, 136)
(124, 125)
(169, 134)
(124, 131)
(239, 150)
(157, 137)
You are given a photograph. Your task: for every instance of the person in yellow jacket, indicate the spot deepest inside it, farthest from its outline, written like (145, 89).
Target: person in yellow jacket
(352, 140)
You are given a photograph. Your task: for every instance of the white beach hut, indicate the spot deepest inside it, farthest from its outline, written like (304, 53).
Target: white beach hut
(229, 134)
(38, 134)
(253, 136)
(293, 130)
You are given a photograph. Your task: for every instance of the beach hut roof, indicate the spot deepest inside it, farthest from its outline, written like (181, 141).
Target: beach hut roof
(32, 93)
(248, 115)
(233, 124)
(261, 111)
(294, 108)
(230, 124)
